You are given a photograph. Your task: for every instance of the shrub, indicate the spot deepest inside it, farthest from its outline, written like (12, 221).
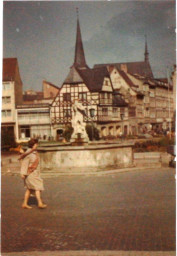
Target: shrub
(151, 145)
(165, 141)
(93, 132)
(68, 132)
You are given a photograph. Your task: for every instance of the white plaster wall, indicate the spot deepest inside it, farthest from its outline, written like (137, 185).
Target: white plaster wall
(10, 106)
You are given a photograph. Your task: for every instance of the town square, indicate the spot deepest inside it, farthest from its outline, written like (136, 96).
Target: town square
(88, 120)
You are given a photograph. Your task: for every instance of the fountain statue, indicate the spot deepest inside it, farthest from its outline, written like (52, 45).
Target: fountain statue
(79, 154)
(78, 112)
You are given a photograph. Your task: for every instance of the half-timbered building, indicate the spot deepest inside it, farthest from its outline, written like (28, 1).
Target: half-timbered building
(150, 100)
(92, 87)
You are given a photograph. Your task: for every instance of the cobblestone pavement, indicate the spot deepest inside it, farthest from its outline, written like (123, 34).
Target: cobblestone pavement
(130, 213)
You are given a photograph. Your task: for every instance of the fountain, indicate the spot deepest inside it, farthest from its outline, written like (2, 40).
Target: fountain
(81, 154)
(79, 135)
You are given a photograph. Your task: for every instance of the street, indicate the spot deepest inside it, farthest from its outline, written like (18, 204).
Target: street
(128, 211)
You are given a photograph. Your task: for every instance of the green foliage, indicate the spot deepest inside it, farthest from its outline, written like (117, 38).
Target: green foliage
(68, 132)
(166, 141)
(154, 145)
(93, 132)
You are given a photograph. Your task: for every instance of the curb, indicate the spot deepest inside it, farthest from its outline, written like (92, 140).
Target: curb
(94, 173)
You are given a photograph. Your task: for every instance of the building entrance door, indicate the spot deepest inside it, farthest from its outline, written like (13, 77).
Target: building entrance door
(59, 135)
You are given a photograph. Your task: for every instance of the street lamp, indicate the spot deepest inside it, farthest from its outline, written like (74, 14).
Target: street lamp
(92, 114)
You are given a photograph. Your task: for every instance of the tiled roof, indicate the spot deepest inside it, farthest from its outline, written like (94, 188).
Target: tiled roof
(126, 78)
(164, 80)
(73, 76)
(93, 78)
(44, 81)
(142, 68)
(9, 69)
(38, 96)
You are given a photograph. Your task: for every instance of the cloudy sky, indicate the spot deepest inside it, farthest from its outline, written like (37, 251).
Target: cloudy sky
(42, 34)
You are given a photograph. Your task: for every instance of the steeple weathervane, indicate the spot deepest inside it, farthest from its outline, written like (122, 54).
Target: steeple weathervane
(146, 54)
(79, 60)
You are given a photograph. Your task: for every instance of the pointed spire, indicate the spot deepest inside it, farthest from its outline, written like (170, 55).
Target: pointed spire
(146, 54)
(79, 60)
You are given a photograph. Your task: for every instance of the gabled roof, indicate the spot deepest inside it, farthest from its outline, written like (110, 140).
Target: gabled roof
(44, 81)
(73, 76)
(9, 69)
(93, 78)
(142, 68)
(126, 78)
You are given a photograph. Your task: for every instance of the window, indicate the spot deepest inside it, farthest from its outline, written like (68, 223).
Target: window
(146, 99)
(83, 96)
(67, 112)
(102, 96)
(109, 95)
(146, 112)
(6, 100)
(66, 97)
(6, 86)
(115, 111)
(25, 132)
(106, 82)
(105, 111)
(132, 111)
(152, 94)
(122, 110)
(6, 112)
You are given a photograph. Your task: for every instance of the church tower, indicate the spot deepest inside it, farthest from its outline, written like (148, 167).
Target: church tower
(146, 54)
(79, 59)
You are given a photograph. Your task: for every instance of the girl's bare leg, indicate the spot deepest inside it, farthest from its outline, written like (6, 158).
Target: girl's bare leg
(25, 202)
(39, 200)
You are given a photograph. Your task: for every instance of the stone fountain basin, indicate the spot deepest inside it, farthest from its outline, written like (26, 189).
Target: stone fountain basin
(67, 157)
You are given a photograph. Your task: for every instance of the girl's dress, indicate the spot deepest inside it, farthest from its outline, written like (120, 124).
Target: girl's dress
(33, 180)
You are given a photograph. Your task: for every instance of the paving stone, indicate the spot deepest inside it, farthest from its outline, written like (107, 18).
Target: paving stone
(128, 212)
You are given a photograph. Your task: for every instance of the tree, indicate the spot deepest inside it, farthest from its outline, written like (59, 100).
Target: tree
(93, 132)
(68, 132)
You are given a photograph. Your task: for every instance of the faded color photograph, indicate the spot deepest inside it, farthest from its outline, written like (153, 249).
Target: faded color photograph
(88, 115)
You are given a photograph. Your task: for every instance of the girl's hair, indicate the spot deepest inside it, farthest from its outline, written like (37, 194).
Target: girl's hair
(31, 142)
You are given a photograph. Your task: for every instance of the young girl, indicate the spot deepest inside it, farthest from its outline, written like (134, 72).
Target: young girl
(30, 173)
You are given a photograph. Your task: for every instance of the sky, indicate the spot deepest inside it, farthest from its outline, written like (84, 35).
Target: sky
(42, 35)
